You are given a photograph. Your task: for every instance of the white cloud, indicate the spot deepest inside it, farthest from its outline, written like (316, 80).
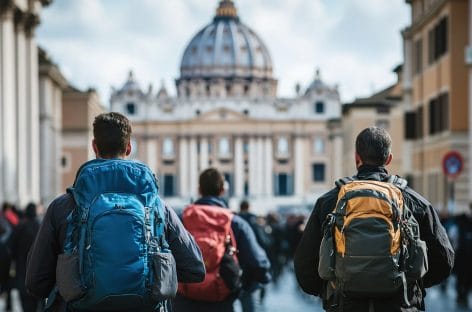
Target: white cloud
(356, 43)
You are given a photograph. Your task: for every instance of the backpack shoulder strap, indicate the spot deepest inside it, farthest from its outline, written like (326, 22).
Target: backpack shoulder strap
(343, 181)
(398, 182)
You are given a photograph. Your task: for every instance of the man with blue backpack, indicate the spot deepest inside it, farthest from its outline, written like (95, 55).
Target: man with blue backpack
(110, 243)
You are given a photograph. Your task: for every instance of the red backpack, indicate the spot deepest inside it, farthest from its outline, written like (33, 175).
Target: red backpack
(211, 228)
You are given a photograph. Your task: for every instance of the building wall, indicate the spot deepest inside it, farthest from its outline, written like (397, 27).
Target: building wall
(447, 74)
(19, 111)
(80, 109)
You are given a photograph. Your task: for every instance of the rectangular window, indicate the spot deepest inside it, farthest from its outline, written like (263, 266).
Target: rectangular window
(319, 107)
(283, 185)
(169, 183)
(438, 40)
(318, 172)
(433, 122)
(130, 108)
(444, 111)
(439, 114)
(418, 56)
(410, 125)
(431, 43)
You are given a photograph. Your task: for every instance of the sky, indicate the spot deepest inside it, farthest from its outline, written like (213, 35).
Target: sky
(355, 43)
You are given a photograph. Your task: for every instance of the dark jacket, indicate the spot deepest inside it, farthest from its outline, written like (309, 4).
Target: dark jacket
(41, 266)
(252, 258)
(440, 251)
(20, 243)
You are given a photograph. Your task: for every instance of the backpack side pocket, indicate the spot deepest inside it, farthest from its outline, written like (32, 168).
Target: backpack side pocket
(327, 254)
(165, 276)
(68, 277)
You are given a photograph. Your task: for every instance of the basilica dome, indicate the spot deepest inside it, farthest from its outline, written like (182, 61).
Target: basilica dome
(226, 48)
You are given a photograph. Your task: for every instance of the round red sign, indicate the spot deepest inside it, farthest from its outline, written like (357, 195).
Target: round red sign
(453, 163)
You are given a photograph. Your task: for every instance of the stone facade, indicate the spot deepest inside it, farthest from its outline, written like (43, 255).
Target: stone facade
(19, 98)
(273, 151)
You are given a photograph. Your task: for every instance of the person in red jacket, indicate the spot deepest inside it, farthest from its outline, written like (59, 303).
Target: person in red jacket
(235, 245)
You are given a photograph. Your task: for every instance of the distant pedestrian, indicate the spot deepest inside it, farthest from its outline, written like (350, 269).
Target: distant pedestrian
(353, 253)
(20, 243)
(228, 246)
(248, 296)
(463, 267)
(5, 255)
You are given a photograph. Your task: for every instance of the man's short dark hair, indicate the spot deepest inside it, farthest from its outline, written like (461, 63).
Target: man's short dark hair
(373, 145)
(112, 133)
(244, 206)
(211, 182)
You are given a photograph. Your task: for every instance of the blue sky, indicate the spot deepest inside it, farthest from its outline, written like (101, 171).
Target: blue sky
(355, 43)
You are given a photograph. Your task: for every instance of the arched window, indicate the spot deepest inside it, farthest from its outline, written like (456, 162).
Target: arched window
(282, 146)
(319, 146)
(168, 147)
(223, 147)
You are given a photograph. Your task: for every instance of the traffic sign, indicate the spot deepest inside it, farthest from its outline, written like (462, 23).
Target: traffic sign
(453, 163)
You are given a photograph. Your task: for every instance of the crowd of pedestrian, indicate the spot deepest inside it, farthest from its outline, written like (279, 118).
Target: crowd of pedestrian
(18, 229)
(111, 243)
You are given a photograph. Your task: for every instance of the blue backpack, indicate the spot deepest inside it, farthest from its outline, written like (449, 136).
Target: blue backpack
(115, 254)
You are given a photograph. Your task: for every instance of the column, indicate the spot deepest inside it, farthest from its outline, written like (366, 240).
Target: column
(8, 123)
(46, 137)
(260, 166)
(33, 120)
(193, 168)
(268, 167)
(151, 154)
(203, 154)
(299, 166)
(238, 167)
(407, 148)
(252, 166)
(183, 167)
(21, 100)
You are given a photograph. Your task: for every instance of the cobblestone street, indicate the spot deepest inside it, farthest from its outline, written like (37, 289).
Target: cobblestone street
(285, 296)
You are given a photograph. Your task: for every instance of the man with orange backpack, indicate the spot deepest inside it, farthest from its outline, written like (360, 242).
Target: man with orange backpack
(372, 243)
(233, 258)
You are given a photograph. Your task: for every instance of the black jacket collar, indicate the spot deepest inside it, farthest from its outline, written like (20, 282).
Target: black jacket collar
(368, 172)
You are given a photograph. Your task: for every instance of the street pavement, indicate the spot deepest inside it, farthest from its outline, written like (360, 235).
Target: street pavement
(285, 296)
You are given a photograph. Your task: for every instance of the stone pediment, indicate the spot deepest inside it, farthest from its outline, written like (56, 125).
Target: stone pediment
(220, 114)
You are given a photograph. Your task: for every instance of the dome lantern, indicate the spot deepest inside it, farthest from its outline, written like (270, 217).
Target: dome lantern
(226, 9)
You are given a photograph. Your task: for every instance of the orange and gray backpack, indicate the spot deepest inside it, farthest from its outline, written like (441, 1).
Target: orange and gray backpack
(371, 245)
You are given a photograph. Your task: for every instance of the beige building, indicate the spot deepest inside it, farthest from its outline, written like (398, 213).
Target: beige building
(19, 101)
(382, 109)
(276, 152)
(79, 110)
(435, 98)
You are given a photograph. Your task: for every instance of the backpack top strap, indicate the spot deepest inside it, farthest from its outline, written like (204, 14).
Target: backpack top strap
(343, 181)
(114, 176)
(398, 182)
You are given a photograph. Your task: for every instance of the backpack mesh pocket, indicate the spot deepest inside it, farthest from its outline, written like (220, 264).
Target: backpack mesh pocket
(326, 263)
(165, 276)
(68, 277)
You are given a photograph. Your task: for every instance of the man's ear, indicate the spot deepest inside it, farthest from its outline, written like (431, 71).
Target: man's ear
(128, 149)
(95, 149)
(389, 159)
(358, 160)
